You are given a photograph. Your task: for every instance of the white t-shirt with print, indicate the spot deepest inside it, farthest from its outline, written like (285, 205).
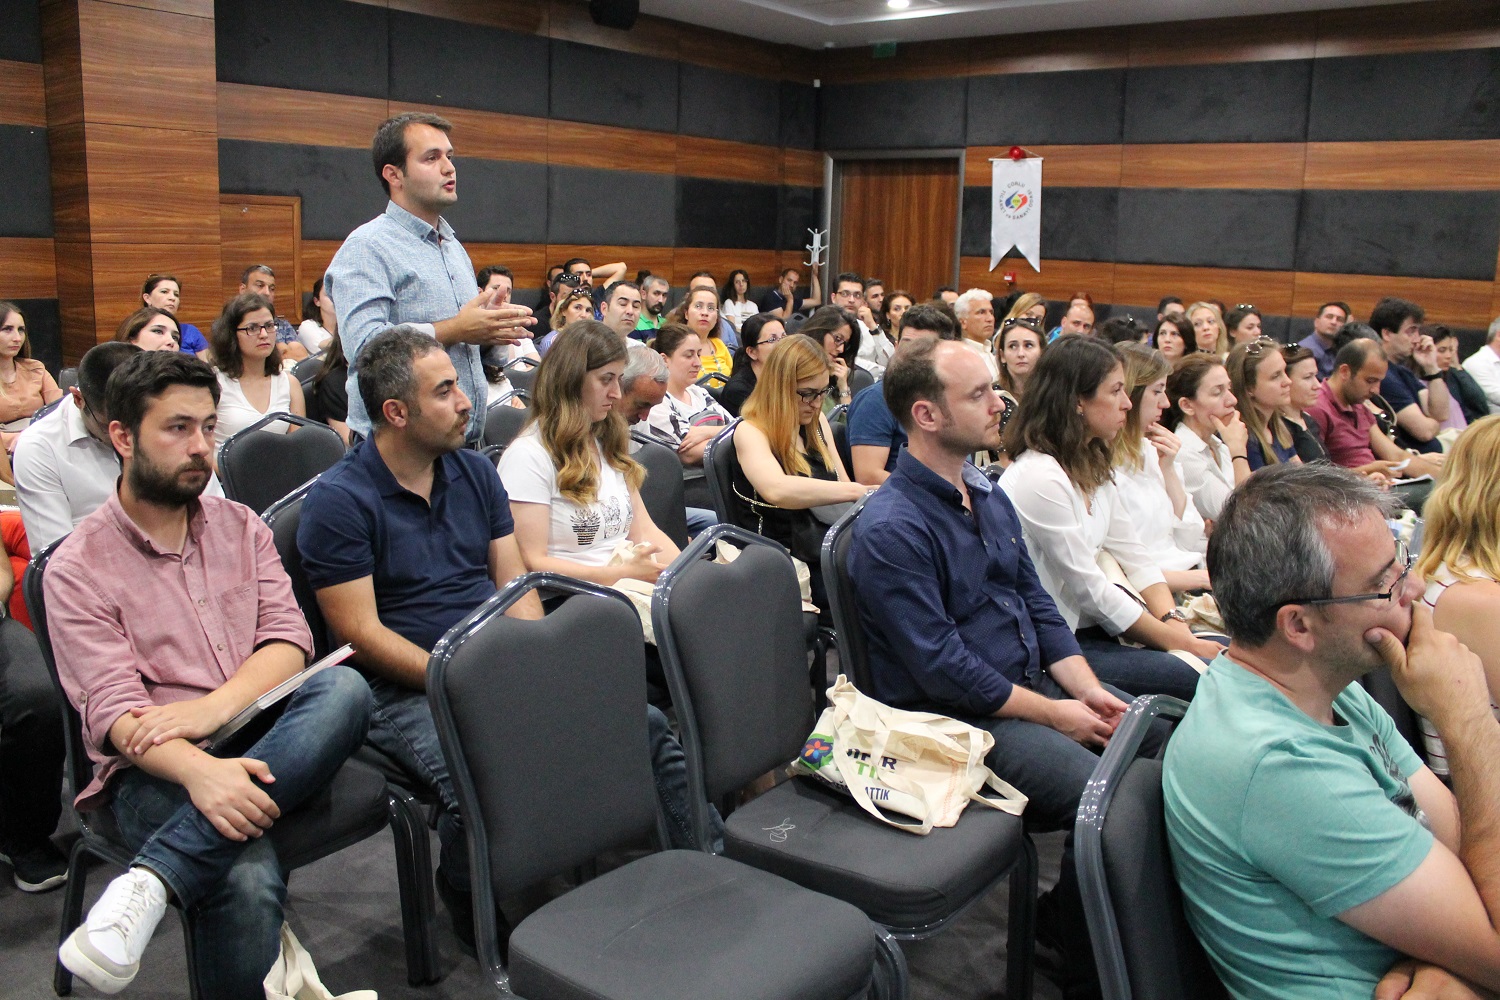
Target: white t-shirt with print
(583, 533)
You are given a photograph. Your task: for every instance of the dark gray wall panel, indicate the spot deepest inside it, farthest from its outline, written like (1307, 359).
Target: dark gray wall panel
(500, 202)
(733, 214)
(1240, 102)
(1213, 228)
(731, 106)
(800, 209)
(892, 115)
(1077, 223)
(799, 116)
(606, 87)
(20, 31)
(1418, 95)
(1022, 108)
(44, 331)
(610, 207)
(26, 209)
(338, 186)
(436, 61)
(325, 45)
(1418, 234)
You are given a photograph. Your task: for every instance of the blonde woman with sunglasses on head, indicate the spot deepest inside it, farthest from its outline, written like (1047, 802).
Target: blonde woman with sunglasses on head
(1262, 389)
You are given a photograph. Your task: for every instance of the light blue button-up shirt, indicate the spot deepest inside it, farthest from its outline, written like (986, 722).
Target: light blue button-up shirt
(398, 269)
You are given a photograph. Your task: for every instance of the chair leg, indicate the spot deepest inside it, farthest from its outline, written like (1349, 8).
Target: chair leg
(414, 879)
(1020, 944)
(72, 912)
(893, 979)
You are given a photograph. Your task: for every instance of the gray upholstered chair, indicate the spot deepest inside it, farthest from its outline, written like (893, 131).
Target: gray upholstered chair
(543, 724)
(663, 492)
(258, 467)
(502, 423)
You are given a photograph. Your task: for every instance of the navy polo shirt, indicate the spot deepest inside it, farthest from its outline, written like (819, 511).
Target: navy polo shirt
(1400, 388)
(950, 601)
(429, 562)
(871, 423)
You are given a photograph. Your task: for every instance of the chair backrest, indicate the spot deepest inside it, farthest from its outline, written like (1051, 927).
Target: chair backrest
(493, 453)
(843, 602)
(307, 368)
(732, 646)
(259, 467)
(718, 470)
(1143, 945)
(523, 377)
(543, 725)
(502, 424)
(80, 768)
(67, 379)
(1383, 689)
(662, 492)
(859, 379)
(841, 445)
(42, 411)
(282, 518)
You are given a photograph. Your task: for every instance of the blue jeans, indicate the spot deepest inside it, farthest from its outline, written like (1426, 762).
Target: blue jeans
(1138, 671)
(236, 890)
(700, 519)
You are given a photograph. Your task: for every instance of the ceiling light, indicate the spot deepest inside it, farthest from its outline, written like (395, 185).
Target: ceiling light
(898, 4)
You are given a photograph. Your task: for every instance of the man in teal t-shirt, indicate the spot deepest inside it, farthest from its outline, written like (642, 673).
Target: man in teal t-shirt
(1314, 849)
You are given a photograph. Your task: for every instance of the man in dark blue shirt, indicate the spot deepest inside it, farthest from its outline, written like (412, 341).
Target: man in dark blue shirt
(875, 438)
(1413, 383)
(959, 623)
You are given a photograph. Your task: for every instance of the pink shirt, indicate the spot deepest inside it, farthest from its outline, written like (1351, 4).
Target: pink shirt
(133, 625)
(1346, 429)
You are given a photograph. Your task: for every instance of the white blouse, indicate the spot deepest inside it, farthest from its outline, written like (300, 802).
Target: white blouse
(1175, 543)
(584, 533)
(236, 412)
(737, 312)
(672, 418)
(1207, 471)
(875, 350)
(1065, 534)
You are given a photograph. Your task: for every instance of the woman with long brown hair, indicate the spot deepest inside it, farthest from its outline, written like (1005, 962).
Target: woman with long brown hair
(1262, 389)
(1214, 438)
(699, 312)
(248, 361)
(574, 489)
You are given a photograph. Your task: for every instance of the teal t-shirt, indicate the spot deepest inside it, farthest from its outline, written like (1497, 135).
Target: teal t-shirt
(1278, 823)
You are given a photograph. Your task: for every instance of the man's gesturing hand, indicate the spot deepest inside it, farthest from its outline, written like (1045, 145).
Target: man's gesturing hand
(223, 791)
(483, 324)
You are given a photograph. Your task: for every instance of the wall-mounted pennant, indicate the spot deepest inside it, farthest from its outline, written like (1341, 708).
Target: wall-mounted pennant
(1016, 207)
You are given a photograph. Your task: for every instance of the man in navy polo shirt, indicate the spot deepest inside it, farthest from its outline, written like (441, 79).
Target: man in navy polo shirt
(1413, 384)
(875, 437)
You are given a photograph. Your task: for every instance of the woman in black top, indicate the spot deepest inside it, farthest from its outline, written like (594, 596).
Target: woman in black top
(1307, 436)
(328, 398)
(758, 335)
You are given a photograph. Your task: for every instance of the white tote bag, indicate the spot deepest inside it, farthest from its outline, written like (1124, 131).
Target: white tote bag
(293, 977)
(924, 767)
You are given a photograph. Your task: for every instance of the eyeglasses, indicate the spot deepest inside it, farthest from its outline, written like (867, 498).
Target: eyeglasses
(768, 341)
(257, 328)
(1404, 558)
(839, 339)
(813, 395)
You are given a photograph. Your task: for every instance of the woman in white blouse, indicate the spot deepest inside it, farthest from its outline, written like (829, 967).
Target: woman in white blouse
(1214, 438)
(687, 416)
(574, 489)
(1148, 477)
(1071, 513)
(251, 382)
(737, 305)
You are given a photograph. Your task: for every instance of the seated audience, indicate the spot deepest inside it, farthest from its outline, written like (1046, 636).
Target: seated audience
(836, 330)
(892, 308)
(1460, 560)
(150, 329)
(643, 385)
(171, 613)
(574, 489)
(1170, 305)
(260, 279)
(1077, 318)
(1412, 361)
(727, 333)
(65, 466)
(787, 462)
(875, 436)
(1262, 389)
(958, 622)
(758, 335)
(784, 301)
(1028, 305)
(1149, 478)
(1210, 335)
(1330, 319)
(1468, 402)
(1484, 366)
(735, 295)
(328, 400)
(1121, 330)
(1351, 435)
(975, 309)
(248, 361)
(688, 417)
(315, 332)
(1243, 324)
(1315, 852)
(570, 305)
(164, 291)
(25, 384)
(1307, 435)
(1020, 345)
(499, 282)
(1173, 335)
(654, 292)
(699, 312)
(1214, 439)
(620, 308)
(1061, 484)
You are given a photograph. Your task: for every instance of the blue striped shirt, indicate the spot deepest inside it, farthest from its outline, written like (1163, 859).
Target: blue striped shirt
(398, 269)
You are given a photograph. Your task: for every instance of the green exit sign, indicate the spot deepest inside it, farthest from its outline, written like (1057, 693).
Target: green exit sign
(884, 50)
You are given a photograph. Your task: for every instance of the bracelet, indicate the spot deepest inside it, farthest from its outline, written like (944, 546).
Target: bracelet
(1240, 458)
(1433, 377)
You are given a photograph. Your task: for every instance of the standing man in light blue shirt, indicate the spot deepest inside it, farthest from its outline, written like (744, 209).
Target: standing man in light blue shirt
(407, 266)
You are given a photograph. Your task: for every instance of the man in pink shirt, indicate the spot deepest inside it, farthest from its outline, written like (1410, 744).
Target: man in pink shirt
(171, 613)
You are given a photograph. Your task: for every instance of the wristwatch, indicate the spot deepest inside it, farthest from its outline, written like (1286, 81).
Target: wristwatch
(1433, 377)
(1175, 615)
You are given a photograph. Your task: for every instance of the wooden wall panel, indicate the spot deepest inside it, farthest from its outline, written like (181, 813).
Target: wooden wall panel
(152, 185)
(606, 147)
(29, 268)
(1145, 284)
(914, 61)
(317, 254)
(23, 95)
(488, 135)
(527, 261)
(1065, 166)
(763, 265)
(75, 297)
(1458, 165)
(735, 161)
(1444, 24)
(877, 192)
(1223, 40)
(262, 229)
(70, 182)
(1456, 303)
(124, 80)
(62, 66)
(526, 16)
(802, 167)
(1274, 165)
(651, 36)
(1057, 280)
(271, 114)
(1049, 51)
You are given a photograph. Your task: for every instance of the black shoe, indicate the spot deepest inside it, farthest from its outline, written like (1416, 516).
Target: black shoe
(38, 868)
(460, 906)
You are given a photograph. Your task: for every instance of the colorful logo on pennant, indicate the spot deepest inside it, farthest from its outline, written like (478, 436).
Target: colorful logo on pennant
(816, 751)
(1016, 201)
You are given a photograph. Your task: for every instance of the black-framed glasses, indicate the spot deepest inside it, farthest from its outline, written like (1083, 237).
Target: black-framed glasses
(257, 328)
(1404, 558)
(813, 395)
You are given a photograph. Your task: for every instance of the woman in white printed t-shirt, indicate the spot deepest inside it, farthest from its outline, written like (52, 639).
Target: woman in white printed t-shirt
(574, 489)
(687, 417)
(1460, 559)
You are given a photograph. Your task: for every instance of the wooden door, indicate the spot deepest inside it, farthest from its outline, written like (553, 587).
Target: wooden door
(263, 229)
(898, 220)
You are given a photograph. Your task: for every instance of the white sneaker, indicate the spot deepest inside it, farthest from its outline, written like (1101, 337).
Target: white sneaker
(105, 951)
